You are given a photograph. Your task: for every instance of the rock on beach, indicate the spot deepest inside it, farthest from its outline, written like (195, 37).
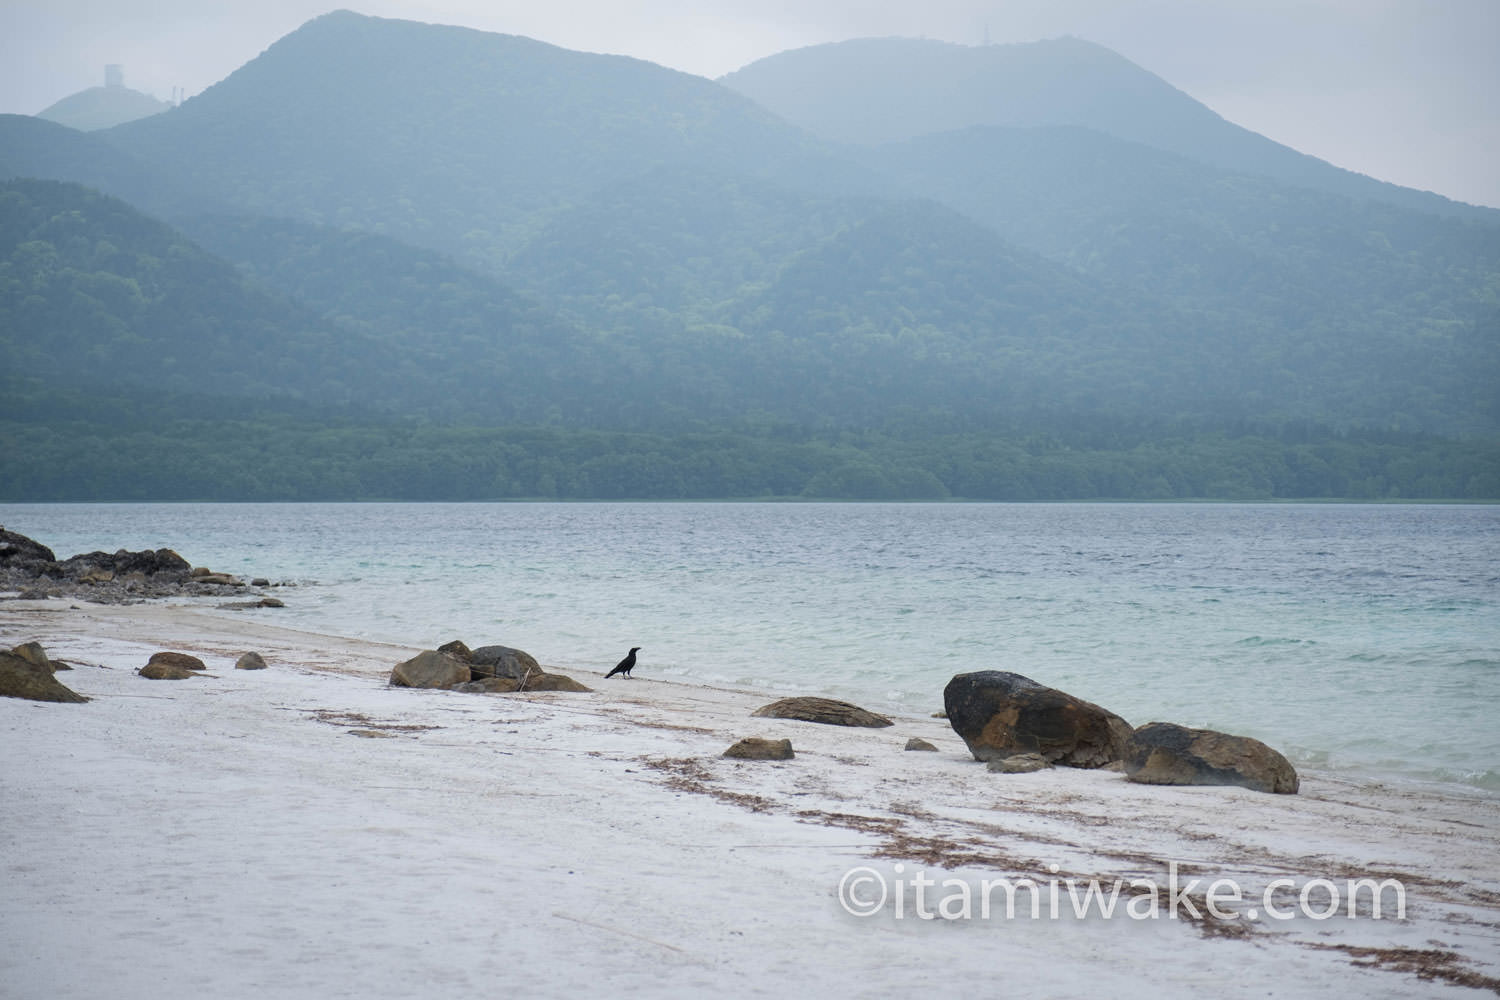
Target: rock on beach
(1163, 753)
(756, 748)
(825, 710)
(1000, 714)
(22, 676)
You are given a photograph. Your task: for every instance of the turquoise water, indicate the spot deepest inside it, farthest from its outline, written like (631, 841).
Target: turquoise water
(1360, 638)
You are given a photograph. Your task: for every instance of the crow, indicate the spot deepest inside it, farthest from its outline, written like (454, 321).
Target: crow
(625, 666)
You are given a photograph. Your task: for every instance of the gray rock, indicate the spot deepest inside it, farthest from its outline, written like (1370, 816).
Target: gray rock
(755, 748)
(1000, 714)
(1163, 753)
(502, 661)
(430, 669)
(824, 710)
(250, 661)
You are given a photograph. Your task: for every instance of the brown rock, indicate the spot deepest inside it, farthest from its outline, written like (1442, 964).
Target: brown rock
(1000, 714)
(21, 678)
(916, 744)
(184, 660)
(32, 652)
(271, 602)
(550, 682)
(754, 748)
(1021, 763)
(1163, 753)
(158, 671)
(457, 650)
(250, 661)
(824, 710)
(430, 669)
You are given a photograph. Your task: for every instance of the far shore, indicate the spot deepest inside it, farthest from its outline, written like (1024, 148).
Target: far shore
(308, 830)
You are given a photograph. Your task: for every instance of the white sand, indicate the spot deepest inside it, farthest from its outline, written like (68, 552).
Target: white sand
(228, 836)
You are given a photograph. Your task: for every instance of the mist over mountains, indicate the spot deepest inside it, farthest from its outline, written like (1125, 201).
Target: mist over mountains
(881, 268)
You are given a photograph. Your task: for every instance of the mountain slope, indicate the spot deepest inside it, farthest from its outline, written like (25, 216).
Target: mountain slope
(1397, 300)
(94, 293)
(872, 91)
(32, 147)
(451, 138)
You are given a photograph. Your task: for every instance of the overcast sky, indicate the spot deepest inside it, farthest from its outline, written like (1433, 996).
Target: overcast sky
(1404, 90)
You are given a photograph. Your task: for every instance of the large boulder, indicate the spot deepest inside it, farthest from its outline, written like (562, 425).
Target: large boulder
(501, 661)
(1163, 753)
(1000, 714)
(430, 669)
(22, 678)
(824, 710)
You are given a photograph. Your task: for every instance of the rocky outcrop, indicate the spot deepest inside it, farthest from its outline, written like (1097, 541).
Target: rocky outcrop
(824, 710)
(22, 553)
(22, 677)
(1163, 753)
(1000, 714)
(185, 660)
(430, 669)
(33, 570)
(755, 748)
(250, 661)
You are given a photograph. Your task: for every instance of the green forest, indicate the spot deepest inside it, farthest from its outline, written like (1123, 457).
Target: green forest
(391, 260)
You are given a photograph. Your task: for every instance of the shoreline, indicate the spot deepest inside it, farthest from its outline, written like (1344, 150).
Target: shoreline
(305, 823)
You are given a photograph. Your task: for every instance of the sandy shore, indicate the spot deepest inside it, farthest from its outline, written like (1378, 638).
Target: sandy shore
(308, 831)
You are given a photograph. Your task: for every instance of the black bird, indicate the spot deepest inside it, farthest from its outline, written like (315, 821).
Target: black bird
(625, 666)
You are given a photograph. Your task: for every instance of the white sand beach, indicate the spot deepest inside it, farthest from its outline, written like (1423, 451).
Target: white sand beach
(308, 831)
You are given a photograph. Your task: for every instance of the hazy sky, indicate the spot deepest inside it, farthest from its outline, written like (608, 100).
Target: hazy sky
(1404, 90)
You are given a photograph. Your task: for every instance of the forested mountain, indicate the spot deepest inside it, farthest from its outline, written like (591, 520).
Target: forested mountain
(438, 262)
(878, 90)
(94, 293)
(31, 147)
(450, 138)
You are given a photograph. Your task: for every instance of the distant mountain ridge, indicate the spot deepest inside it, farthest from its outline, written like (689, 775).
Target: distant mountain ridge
(102, 107)
(452, 138)
(877, 90)
(438, 225)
